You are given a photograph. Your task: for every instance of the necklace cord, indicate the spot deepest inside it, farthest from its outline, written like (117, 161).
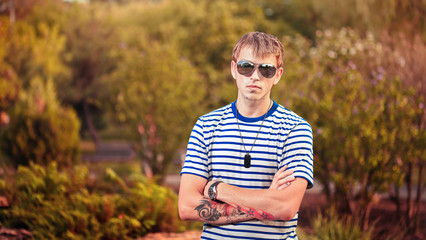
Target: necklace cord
(261, 124)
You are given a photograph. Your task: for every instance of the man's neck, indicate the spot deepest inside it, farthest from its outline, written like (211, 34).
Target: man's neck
(252, 109)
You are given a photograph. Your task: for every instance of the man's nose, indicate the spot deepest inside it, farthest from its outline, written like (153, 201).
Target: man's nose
(255, 74)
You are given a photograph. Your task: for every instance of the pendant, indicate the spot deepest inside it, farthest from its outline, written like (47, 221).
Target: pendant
(247, 160)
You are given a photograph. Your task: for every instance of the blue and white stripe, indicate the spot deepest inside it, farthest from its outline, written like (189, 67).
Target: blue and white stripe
(215, 152)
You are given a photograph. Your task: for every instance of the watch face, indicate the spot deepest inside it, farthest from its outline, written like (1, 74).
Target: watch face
(211, 193)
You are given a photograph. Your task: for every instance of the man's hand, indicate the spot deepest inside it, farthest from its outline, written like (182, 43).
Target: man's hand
(282, 179)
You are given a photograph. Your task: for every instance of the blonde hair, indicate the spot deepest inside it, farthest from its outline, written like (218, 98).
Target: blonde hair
(263, 44)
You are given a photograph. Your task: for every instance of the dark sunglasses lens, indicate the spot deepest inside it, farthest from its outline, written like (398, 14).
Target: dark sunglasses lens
(244, 67)
(267, 70)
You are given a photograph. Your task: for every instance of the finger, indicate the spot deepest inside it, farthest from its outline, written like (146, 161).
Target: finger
(279, 175)
(281, 169)
(284, 174)
(284, 186)
(282, 183)
(289, 178)
(285, 180)
(274, 184)
(287, 173)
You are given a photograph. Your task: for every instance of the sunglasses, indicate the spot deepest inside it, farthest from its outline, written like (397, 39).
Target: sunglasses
(246, 68)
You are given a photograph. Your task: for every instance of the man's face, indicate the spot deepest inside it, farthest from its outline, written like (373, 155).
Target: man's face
(254, 86)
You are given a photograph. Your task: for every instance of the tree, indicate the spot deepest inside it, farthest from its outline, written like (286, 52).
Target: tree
(363, 121)
(194, 36)
(373, 15)
(159, 93)
(205, 32)
(89, 55)
(406, 58)
(211, 29)
(90, 40)
(40, 129)
(294, 17)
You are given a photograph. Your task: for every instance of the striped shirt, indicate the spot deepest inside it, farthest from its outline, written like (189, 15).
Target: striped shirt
(216, 152)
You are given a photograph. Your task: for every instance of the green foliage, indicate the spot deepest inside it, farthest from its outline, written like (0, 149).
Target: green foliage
(332, 227)
(363, 121)
(156, 212)
(9, 84)
(9, 87)
(292, 17)
(34, 53)
(53, 204)
(175, 69)
(41, 138)
(373, 15)
(297, 70)
(307, 16)
(41, 130)
(50, 12)
(90, 42)
(74, 58)
(206, 42)
(150, 88)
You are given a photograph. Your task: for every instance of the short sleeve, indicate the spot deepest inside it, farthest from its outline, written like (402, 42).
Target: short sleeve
(298, 152)
(196, 160)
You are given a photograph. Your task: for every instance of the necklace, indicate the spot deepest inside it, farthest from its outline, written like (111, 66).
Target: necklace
(247, 157)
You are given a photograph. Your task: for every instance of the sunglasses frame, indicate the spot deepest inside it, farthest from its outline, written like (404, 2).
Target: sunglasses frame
(261, 67)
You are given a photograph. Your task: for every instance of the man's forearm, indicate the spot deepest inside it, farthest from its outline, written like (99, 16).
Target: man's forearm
(222, 213)
(282, 203)
(195, 205)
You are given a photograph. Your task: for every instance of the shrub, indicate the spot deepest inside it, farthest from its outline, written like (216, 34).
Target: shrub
(153, 205)
(57, 205)
(363, 120)
(41, 130)
(333, 227)
(42, 137)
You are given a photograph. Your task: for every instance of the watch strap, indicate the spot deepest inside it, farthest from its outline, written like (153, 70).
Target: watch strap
(213, 190)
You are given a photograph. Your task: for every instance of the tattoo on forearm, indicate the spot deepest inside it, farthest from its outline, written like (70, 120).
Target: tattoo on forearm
(208, 211)
(212, 211)
(256, 213)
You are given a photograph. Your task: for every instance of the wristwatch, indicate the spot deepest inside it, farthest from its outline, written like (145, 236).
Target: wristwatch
(213, 190)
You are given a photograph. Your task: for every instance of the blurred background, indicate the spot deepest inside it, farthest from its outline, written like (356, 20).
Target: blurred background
(98, 98)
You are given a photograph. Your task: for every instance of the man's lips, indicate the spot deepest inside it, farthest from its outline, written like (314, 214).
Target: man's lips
(253, 87)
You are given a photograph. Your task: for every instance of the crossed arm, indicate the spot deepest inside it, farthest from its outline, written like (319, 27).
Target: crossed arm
(280, 202)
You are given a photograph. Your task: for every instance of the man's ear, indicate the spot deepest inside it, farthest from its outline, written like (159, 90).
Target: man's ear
(280, 72)
(233, 69)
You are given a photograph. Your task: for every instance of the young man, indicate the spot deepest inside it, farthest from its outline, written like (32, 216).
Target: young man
(249, 163)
